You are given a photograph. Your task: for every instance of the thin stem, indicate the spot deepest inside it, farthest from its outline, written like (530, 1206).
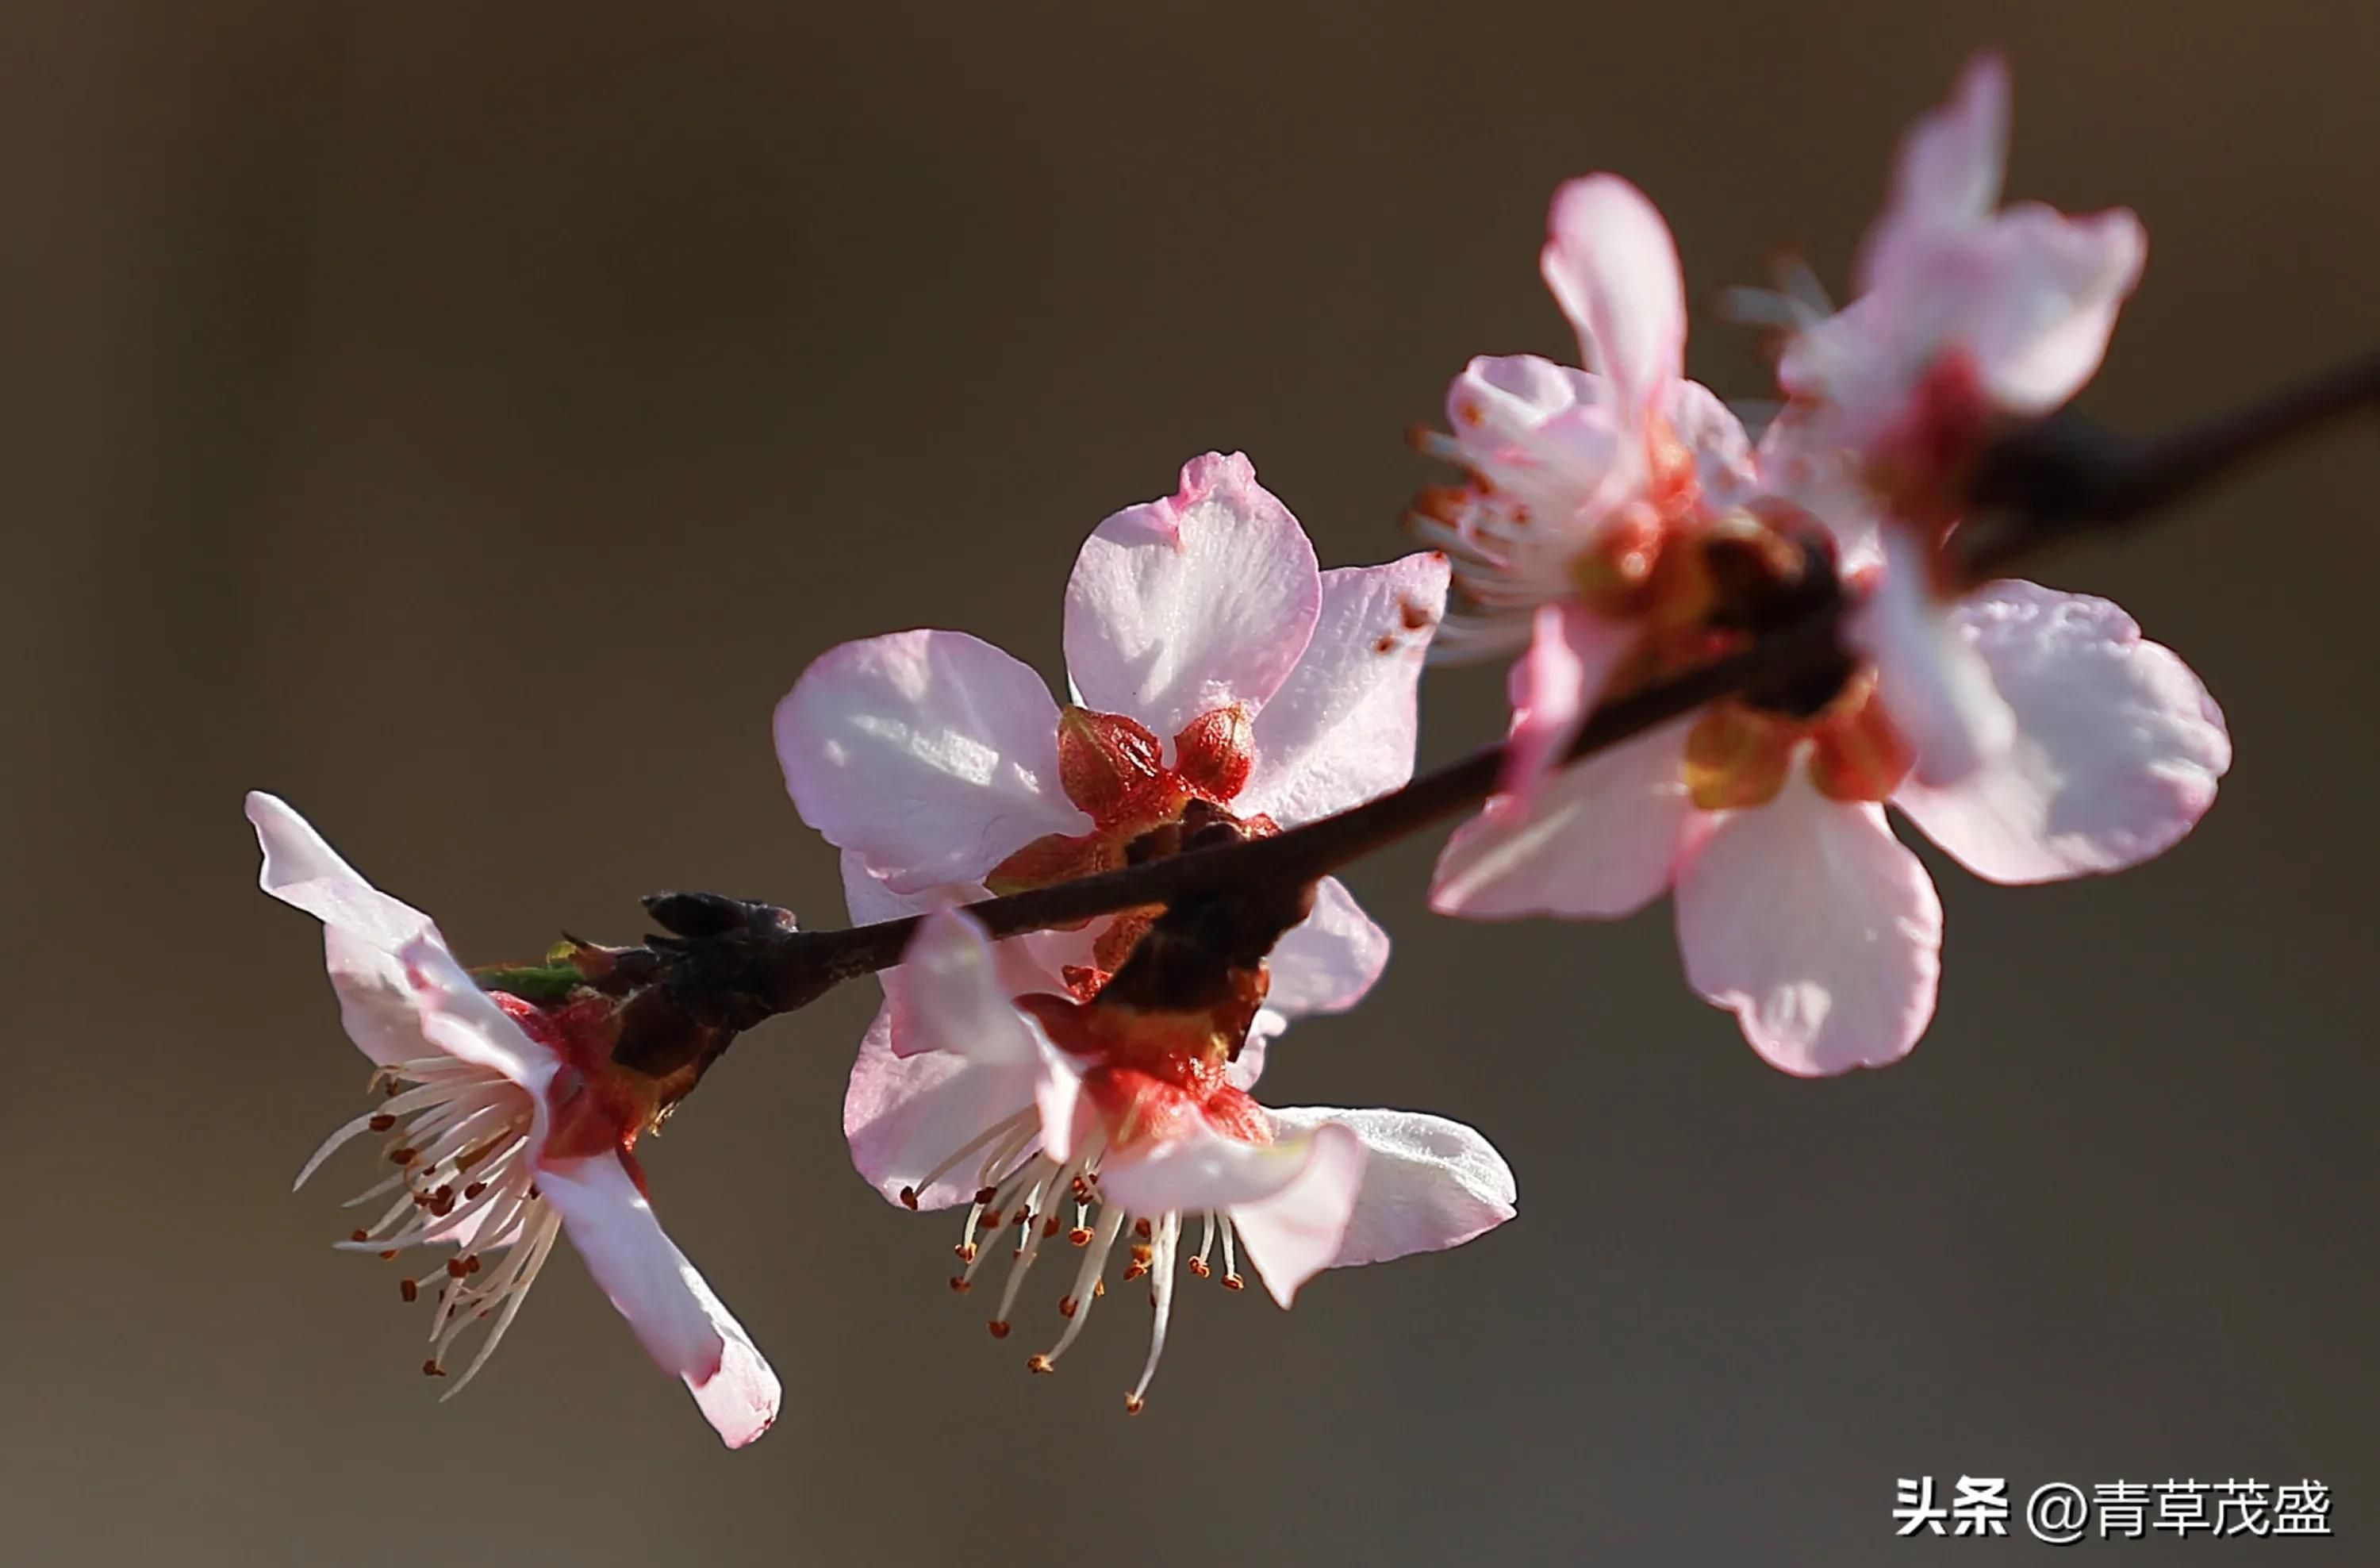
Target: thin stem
(2040, 484)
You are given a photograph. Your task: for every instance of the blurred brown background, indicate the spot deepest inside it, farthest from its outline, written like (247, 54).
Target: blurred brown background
(467, 420)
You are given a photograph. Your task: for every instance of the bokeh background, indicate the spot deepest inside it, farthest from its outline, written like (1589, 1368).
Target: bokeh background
(468, 419)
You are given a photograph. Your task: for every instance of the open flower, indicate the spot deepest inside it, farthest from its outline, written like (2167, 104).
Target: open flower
(1796, 907)
(2033, 734)
(1053, 1118)
(1967, 315)
(504, 1126)
(1218, 676)
(1578, 479)
(1965, 311)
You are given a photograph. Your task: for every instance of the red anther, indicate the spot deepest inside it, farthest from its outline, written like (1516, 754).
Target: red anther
(456, 1269)
(909, 1197)
(1442, 503)
(1080, 1235)
(1066, 1306)
(474, 1190)
(1135, 1270)
(1141, 1254)
(1233, 1282)
(1049, 1227)
(992, 1221)
(985, 1195)
(1038, 1363)
(360, 1236)
(389, 1254)
(1143, 1229)
(407, 1289)
(404, 1156)
(998, 1327)
(1199, 1266)
(1134, 1405)
(471, 1264)
(966, 1251)
(960, 1285)
(430, 1369)
(381, 1123)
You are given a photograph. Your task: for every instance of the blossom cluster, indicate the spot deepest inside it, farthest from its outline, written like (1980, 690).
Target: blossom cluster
(1082, 1090)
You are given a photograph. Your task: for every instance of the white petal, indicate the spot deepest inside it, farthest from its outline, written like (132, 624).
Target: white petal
(1599, 840)
(1326, 963)
(948, 994)
(1294, 1233)
(462, 1021)
(1340, 729)
(2117, 751)
(387, 962)
(906, 1116)
(1186, 606)
(931, 754)
(681, 1323)
(1198, 1169)
(1611, 264)
(1817, 927)
(1429, 1182)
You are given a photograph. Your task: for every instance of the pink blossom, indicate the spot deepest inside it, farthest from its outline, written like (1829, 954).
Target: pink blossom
(1218, 676)
(1965, 309)
(504, 1126)
(1968, 314)
(1054, 1119)
(1795, 905)
(2033, 735)
(1578, 478)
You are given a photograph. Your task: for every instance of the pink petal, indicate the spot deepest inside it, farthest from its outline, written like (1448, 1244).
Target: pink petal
(1951, 164)
(1572, 471)
(1932, 682)
(2118, 745)
(387, 962)
(1712, 433)
(2040, 327)
(1555, 686)
(905, 1115)
(363, 929)
(1185, 605)
(949, 993)
(454, 1016)
(1429, 1182)
(1812, 922)
(681, 1324)
(1500, 401)
(931, 754)
(1296, 1232)
(1328, 962)
(1340, 729)
(1599, 840)
(1611, 264)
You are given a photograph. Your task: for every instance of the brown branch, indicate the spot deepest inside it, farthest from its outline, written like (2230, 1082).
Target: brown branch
(2038, 484)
